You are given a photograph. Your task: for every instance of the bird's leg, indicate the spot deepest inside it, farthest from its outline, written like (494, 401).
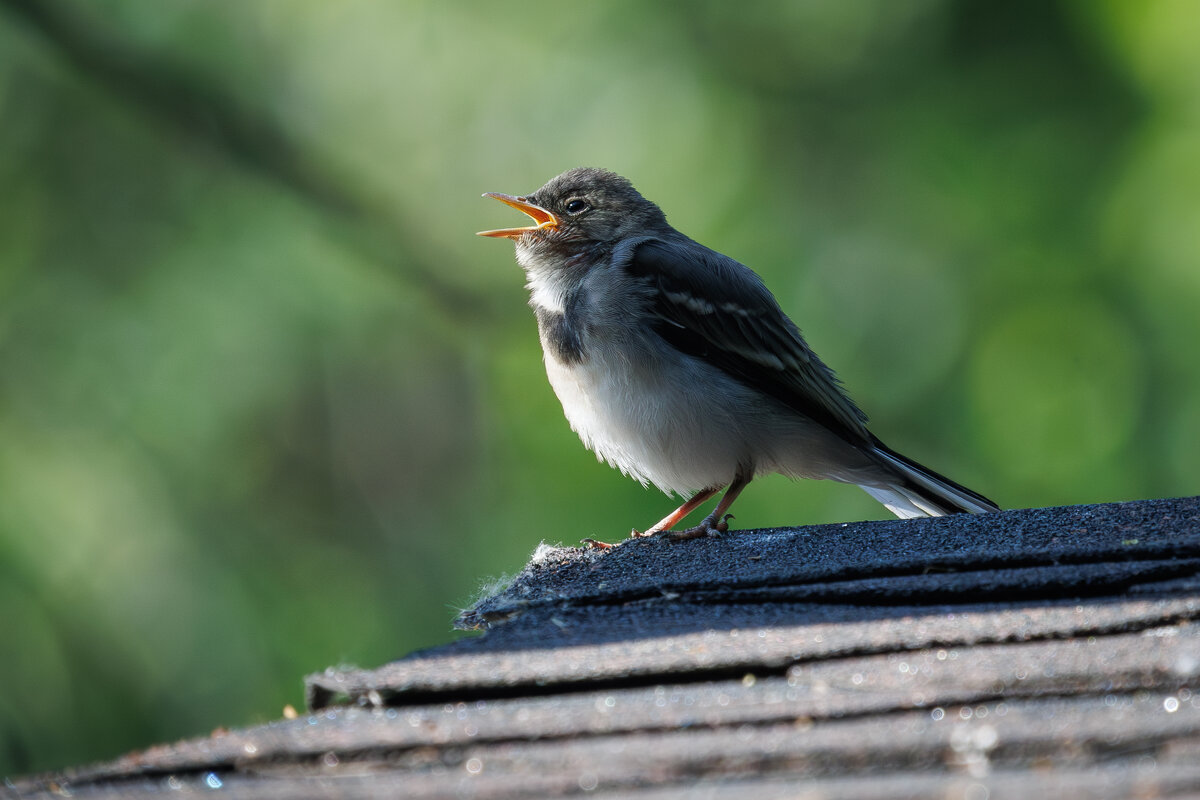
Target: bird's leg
(676, 516)
(666, 523)
(715, 522)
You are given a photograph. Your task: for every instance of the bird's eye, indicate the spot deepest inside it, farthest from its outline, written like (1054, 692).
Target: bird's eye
(577, 206)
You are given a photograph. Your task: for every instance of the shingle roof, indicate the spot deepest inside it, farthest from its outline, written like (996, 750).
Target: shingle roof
(1045, 652)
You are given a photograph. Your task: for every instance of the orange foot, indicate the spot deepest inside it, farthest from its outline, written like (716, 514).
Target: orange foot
(709, 526)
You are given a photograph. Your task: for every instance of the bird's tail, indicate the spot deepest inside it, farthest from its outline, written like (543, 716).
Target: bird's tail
(921, 492)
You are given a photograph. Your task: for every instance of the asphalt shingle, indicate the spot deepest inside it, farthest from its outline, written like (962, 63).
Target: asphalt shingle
(1043, 652)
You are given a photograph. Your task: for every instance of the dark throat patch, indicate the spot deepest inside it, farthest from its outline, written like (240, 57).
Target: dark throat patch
(560, 334)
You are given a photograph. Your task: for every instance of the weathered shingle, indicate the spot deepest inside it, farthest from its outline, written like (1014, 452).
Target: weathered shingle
(1046, 653)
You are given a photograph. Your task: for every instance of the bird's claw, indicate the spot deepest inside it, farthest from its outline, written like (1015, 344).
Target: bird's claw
(596, 544)
(708, 527)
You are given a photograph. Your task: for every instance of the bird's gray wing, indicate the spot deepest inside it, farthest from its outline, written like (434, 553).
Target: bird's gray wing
(712, 307)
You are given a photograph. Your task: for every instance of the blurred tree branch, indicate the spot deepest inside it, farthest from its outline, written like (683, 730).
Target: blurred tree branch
(174, 94)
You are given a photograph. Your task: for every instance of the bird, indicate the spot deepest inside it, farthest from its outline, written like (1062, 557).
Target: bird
(676, 365)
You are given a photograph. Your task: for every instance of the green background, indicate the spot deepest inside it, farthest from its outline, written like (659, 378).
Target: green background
(267, 405)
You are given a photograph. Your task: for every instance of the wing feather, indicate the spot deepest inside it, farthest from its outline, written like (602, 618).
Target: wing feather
(710, 306)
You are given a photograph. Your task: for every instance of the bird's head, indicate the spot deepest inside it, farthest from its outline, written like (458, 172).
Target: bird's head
(578, 210)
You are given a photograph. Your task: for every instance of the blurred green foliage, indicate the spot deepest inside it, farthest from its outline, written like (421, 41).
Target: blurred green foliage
(266, 404)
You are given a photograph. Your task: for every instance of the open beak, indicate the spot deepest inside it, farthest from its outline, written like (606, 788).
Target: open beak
(541, 216)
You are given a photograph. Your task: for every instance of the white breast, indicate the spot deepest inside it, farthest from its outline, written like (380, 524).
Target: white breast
(629, 409)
